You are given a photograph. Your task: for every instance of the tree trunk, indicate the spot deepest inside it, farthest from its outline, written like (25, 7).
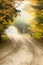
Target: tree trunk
(0, 38)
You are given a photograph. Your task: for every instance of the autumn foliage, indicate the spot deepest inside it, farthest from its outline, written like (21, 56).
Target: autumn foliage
(7, 11)
(36, 26)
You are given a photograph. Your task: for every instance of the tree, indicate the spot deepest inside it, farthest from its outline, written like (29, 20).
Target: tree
(38, 19)
(7, 11)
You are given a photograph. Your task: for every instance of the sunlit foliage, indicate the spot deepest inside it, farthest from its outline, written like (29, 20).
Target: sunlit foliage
(37, 22)
(35, 9)
(7, 11)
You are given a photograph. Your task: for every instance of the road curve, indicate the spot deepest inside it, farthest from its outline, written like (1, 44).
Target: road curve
(21, 50)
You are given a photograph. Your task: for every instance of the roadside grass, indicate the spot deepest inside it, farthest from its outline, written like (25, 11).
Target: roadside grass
(4, 40)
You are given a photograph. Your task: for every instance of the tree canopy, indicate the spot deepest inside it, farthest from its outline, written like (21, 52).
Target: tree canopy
(7, 11)
(37, 23)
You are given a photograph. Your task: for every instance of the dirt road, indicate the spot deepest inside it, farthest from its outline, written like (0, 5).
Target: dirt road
(21, 50)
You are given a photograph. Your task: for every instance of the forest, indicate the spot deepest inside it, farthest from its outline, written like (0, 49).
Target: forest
(27, 17)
